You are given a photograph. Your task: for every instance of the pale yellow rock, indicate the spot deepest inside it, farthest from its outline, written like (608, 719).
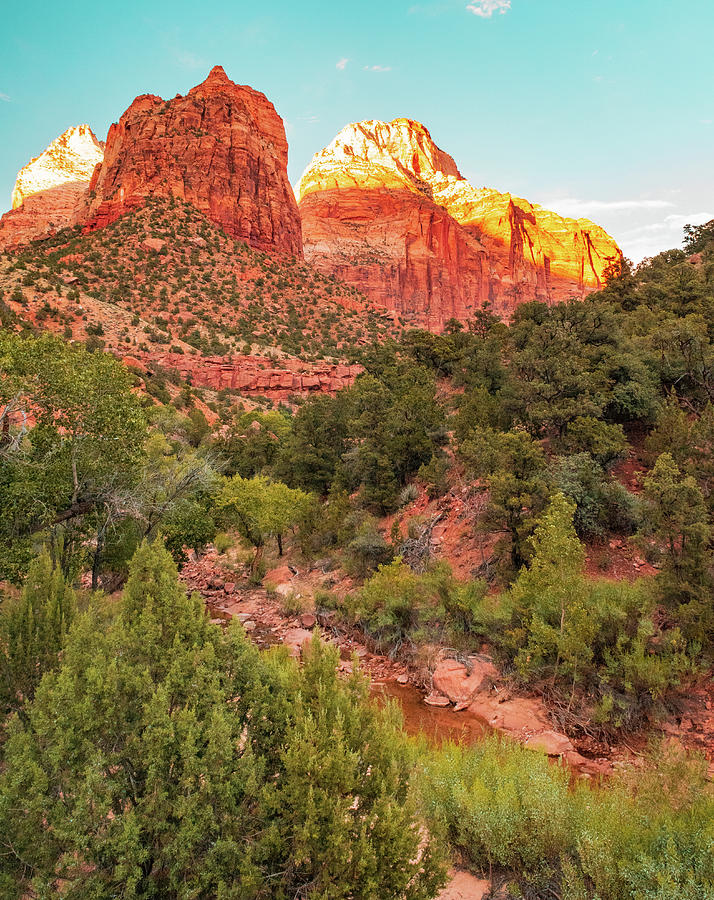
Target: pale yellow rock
(70, 158)
(50, 189)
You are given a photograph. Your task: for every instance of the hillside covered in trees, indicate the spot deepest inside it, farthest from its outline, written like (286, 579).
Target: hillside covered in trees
(148, 751)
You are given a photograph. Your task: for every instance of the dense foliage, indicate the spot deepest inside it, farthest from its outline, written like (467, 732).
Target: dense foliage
(145, 753)
(163, 758)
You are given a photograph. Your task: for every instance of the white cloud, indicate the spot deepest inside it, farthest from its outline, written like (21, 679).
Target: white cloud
(5, 98)
(653, 238)
(186, 59)
(378, 68)
(486, 8)
(571, 206)
(342, 64)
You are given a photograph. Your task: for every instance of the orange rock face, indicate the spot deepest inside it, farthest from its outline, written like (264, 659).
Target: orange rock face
(50, 188)
(222, 148)
(254, 374)
(387, 211)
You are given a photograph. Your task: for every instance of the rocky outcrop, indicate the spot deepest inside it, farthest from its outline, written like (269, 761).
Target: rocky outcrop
(50, 189)
(387, 211)
(221, 148)
(253, 374)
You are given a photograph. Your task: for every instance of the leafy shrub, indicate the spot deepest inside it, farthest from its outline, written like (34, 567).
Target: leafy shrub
(504, 807)
(408, 495)
(190, 525)
(367, 550)
(434, 475)
(605, 443)
(222, 542)
(396, 605)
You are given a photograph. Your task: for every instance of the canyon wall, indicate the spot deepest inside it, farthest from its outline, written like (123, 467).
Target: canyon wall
(384, 209)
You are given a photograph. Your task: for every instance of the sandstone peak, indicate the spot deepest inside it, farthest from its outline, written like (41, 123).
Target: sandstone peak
(50, 189)
(70, 157)
(384, 208)
(400, 151)
(222, 148)
(217, 75)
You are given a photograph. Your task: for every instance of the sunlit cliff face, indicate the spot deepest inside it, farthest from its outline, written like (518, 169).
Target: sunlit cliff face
(388, 211)
(50, 189)
(69, 159)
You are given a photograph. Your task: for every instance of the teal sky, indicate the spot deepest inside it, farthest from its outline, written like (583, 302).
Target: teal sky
(604, 110)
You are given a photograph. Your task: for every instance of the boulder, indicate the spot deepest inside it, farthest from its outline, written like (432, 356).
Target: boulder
(279, 575)
(435, 699)
(295, 639)
(550, 742)
(453, 679)
(154, 245)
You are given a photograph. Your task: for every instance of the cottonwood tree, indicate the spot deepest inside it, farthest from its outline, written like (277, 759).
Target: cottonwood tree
(261, 509)
(83, 449)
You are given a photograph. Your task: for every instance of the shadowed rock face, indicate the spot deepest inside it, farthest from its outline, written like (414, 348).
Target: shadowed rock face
(222, 148)
(50, 189)
(387, 211)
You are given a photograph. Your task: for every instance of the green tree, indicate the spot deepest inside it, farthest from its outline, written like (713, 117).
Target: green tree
(513, 466)
(395, 425)
(165, 759)
(32, 631)
(261, 509)
(677, 520)
(312, 453)
(551, 595)
(72, 468)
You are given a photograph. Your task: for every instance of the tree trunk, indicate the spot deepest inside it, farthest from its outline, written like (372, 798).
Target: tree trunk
(257, 558)
(280, 544)
(97, 558)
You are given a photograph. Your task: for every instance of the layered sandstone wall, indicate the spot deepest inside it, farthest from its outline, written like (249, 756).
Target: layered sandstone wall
(253, 374)
(388, 211)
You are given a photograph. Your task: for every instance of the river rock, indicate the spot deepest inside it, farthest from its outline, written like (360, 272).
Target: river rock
(295, 639)
(550, 742)
(452, 678)
(435, 699)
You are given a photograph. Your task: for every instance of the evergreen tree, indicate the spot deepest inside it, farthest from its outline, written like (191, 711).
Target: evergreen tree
(164, 759)
(32, 631)
(677, 519)
(513, 466)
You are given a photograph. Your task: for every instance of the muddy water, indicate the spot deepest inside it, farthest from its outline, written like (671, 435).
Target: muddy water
(435, 723)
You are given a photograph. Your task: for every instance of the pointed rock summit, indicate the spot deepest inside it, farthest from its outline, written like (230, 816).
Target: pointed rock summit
(386, 210)
(50, 188)
(221, 148)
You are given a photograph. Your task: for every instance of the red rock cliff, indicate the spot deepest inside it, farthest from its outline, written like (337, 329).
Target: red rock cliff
(50, 188)
(222, 148)
(387, 211)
